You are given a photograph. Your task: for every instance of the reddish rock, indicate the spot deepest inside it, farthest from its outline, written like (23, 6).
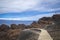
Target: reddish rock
(13, 34)
(35, 25)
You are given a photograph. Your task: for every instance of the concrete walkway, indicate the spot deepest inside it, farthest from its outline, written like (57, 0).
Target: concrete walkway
(44, 35)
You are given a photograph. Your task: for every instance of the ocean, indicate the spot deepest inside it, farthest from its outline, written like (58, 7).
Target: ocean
(9, 22)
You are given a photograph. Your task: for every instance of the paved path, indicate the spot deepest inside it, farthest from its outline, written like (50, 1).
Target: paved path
(44, 35)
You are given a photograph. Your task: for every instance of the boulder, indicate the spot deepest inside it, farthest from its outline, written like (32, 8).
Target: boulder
(4, 27)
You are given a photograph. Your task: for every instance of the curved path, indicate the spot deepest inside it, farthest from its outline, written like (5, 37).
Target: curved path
(44, 35)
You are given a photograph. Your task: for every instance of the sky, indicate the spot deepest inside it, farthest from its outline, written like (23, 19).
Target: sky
(28, 9)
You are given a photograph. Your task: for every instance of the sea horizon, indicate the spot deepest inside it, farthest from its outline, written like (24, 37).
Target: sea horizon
(9, 22)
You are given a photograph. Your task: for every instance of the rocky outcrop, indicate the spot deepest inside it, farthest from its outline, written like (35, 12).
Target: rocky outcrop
(13, 34)
(35, 24)
(4, 27)
(55, 29)
(13, 26)
(21, 26)
(45, 20)
(19, 32)
(29, 34)
(56, 17)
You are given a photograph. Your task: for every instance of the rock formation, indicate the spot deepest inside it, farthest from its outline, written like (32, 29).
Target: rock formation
(25, 32)
(29, 34)
(4, 27)
(14, 26)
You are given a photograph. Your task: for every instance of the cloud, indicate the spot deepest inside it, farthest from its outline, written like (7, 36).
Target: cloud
(24, 8)
(31, 18)
(17, 5)
(48, 5)
(24, 5)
